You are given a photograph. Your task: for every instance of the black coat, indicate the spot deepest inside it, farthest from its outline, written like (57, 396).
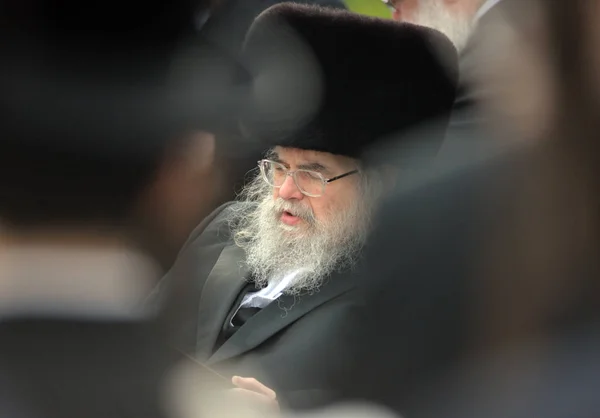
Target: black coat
(64, 368)
(297, 346)
(92, 367)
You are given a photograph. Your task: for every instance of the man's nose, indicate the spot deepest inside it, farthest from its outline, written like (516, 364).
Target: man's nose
(289, 190)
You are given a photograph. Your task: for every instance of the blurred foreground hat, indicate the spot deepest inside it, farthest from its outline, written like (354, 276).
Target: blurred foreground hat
(377, 78)
(93, 93)
(106, 76)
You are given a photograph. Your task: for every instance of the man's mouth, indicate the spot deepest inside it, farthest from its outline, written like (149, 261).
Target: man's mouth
(289, 218)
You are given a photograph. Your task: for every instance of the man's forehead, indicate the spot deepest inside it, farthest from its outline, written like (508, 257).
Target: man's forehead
(311, 156)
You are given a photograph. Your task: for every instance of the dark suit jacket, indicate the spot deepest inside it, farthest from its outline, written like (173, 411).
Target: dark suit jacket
(294, 345)
(65, 368)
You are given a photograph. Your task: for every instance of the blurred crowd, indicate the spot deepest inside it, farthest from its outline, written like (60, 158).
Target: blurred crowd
(318, 208)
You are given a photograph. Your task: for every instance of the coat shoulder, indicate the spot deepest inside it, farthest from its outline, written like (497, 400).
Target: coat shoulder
(216, 226)
(200, 252)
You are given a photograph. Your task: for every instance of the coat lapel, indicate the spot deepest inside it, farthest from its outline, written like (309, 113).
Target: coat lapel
(222, 286)
(277, 316)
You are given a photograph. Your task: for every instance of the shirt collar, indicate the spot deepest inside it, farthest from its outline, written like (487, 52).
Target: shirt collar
(485, 7)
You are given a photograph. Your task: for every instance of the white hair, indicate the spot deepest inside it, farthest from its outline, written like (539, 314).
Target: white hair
(435, 14)
(321, 247)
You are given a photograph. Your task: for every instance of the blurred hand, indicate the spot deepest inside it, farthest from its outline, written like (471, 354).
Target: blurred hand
(255, 392)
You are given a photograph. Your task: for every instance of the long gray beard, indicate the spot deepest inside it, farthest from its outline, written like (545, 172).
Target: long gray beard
(317, 249)
(434, 14)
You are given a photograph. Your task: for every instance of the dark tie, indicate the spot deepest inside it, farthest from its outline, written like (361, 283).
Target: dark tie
(237, 317)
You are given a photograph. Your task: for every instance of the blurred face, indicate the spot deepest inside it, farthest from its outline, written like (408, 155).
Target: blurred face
(454, 18)
(285, 231)
(181, 194)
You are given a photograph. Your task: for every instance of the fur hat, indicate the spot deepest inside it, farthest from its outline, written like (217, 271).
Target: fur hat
(365, 78)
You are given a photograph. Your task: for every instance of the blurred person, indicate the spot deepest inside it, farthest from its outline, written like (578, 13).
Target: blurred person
(463, 21)
(494, 296)
(104, 156)
(274, 272)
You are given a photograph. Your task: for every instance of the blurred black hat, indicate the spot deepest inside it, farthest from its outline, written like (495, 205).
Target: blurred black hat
(108, 75)
(231, 19)
(377, 78)
(92, 93)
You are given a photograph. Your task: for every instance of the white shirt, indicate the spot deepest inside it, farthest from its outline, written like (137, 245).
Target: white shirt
(265, 296)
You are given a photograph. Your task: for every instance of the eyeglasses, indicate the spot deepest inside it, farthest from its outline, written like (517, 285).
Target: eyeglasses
(310, 183)
(391, 4)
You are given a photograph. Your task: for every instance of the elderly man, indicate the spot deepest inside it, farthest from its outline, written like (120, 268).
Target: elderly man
(275, 291)
(460, 20)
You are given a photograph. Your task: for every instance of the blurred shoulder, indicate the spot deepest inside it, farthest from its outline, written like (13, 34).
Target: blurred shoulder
(456, 181)
(216, 226)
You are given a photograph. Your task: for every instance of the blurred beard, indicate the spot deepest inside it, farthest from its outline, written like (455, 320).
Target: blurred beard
(313, 248)
(434, 14)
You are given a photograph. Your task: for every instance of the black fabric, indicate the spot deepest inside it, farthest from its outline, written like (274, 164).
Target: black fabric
(76, 368)
(232, 19)
(240, 318)
(66, 368)
(237, 317)
(74, 71)
(92, 95)
(377, 77)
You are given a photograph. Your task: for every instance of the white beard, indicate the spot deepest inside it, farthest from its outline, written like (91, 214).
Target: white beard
(274, 249)
(434, 14)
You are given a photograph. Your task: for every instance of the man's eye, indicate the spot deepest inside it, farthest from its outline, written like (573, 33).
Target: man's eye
(311, 175)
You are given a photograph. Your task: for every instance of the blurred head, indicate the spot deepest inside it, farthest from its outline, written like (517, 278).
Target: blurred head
(99, 136)
(301, 222)
(53, 190)
(454, 18)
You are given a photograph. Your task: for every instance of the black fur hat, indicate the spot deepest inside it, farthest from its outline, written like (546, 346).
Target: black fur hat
(366, 78)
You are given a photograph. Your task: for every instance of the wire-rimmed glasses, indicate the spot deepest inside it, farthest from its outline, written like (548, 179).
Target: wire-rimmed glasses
(310, 183)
